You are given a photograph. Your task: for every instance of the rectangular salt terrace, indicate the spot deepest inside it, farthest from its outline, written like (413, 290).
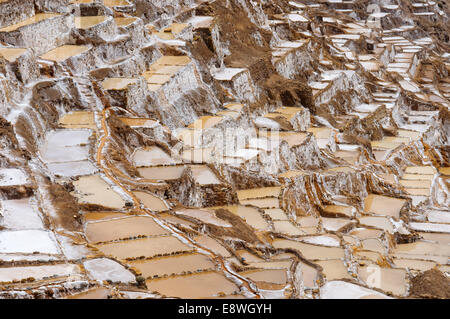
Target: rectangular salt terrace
(72, 169)
(286, 227)
(78, 119)
(428, 170)
(383, 205)
(54, 154)
(118, 83)
(27, 242)
(203, 175)
(162, 173)
(115, 229)
(202, 285)
(151, 201)
(64, 52)
(62, 138)
(37, 272)
(123, 22)
(20, 214)
(157, 68)
(152, 156)
(161, 266)
(148, 247)
(173, 60)
(35, 19)
(94, 190)
(11, 54)
(86, 22)
(12, 177)
(293, 138)
(259, 192)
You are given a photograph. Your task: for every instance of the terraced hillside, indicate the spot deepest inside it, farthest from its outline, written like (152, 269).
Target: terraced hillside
(224, 149)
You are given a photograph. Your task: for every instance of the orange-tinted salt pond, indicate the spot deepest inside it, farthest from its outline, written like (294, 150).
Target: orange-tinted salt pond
(267, 278)
(96, 293)
(383, 205)
(172, 264)
(123, 228)
(94, 190)
(207, 284)
(147, 247)
(259, 192)
(162, 172)
(204, 175)
(151, 201)
(334, 269)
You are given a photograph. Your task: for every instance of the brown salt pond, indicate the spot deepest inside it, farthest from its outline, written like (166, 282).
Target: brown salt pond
(34, 19)
(334, 269)
(64, 52)
(259, 192)
(123, 22)
(161, 266)
(312, 252)
(250, 215)
(276, 214)
(118, 83)
(162, 172)
(205, 122)
(96, 293)
(207, 284)
(96, 216)
(148, 247)
(414, 264)
(423, 250)
(310, 275)
(336, 224)
(94, 190)
(286, 227)
(377, 222)
(386, 279)
(212, 244)
(86, 22)
(267, 278)
(127, 227)
(79, 119)
(151, 201)
(152, 156)
(204, 175)
(348, 211)
(383, 205)
(11, 54)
